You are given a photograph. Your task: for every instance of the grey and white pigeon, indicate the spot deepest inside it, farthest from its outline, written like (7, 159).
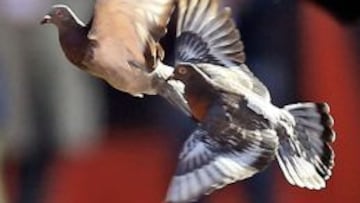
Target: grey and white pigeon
(240, 131)
(120, 44)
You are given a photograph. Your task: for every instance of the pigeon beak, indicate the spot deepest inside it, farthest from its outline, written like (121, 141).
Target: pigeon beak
(45, 20)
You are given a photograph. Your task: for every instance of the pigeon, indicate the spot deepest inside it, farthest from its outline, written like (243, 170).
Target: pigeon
(240, 132)
(120, 44)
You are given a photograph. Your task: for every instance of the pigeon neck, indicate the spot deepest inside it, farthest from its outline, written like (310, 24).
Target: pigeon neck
(200, 97)
(74, 42)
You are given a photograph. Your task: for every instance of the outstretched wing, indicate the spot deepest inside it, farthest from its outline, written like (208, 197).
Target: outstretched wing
(208, 35)
(137, 25)
(217, 154)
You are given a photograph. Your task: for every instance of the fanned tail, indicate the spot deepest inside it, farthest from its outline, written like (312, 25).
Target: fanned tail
(306, 158)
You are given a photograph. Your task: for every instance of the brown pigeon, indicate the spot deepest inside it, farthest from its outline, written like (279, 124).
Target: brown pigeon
(120, 44)
(240, 131)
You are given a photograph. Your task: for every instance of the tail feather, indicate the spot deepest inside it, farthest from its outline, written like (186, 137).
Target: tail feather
(306, 158)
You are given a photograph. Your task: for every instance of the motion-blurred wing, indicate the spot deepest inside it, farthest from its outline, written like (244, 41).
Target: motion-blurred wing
(137, 25)
(207, 164)
(207, 35)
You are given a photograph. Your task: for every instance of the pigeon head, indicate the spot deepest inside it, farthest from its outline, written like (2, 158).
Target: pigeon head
(189, 74)
(61, 15)
(186, 73)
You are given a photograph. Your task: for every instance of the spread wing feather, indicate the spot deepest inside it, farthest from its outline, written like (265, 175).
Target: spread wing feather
(208, 35)
(138, 25)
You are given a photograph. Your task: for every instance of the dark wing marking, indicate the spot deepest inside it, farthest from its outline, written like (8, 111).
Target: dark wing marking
(205, 35)
(219, 153)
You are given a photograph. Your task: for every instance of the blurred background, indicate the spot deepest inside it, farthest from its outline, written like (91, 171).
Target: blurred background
(66, 137)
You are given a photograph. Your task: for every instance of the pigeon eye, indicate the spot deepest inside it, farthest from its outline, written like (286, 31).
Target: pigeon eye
(182, 70)
(59, 13)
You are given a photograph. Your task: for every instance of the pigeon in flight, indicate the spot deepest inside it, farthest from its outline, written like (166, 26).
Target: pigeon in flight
(120, 44)
(240, 131)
